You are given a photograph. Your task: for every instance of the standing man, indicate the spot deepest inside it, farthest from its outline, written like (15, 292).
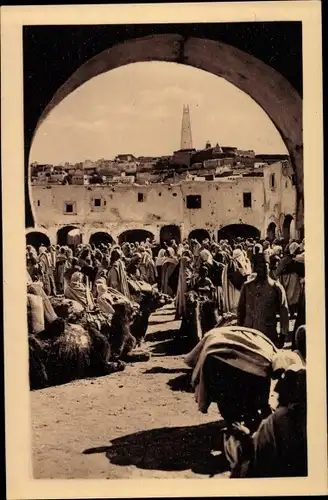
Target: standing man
(48, 279)
(261, 300)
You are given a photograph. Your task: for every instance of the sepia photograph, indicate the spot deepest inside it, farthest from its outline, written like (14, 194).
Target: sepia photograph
(164, 245)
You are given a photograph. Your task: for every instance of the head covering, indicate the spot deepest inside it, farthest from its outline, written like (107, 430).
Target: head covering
(206, 256)
(136, 257)
(276, 249)
(77, 277)
(101, 287)
(258, 248)
(237, 253)
(282, 361)
(171, 252)
(293, 248)
(115, 254)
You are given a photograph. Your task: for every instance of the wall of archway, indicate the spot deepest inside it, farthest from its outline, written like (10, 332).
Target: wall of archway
(267, 87)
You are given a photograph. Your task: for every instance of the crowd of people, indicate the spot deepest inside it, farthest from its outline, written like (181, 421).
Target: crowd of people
(260, 282)
(256, 280)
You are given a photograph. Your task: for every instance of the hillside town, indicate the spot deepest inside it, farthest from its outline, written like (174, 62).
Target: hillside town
(210, 163)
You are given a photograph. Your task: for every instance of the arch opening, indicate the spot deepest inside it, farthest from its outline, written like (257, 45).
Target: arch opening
(286, 227)
(234, 231)
(170, 232)
(133, 235)
(100, 237)
(271, 231)
(69, 235)
(199, 234)
(36, 239)
(252, 76)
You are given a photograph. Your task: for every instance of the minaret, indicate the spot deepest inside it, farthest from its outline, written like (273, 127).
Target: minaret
(186, 138)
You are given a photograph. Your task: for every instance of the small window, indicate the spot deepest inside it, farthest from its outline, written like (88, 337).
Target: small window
(174, 194)
(272, 181)
(286, 184)
(140, 197)
(159, 194)
(97, 202)
(194, 201)
(38, 203)
(247, 198)
(69, 208)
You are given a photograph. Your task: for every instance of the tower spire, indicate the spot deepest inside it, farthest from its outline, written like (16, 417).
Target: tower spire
(186, 137)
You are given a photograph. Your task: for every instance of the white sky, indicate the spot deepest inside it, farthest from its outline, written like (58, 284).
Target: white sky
(137, 109)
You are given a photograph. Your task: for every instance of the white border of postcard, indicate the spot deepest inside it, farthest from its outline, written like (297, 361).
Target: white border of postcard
(20, 483)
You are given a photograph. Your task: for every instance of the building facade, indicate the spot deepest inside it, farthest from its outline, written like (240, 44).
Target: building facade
(247, 206)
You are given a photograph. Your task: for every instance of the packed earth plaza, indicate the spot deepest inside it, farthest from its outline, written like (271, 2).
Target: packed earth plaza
(172, 360)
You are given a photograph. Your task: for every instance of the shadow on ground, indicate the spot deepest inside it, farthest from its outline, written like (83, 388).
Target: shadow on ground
(170, 449)
(181, 383)
(160, 321)
(161, 335)
(173, 346)
(162, 369)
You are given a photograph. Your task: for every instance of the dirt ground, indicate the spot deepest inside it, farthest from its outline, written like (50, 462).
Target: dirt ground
(139, 423)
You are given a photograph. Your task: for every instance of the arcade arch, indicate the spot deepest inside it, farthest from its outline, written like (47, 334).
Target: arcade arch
(69, 235)
(170, 232)
(132, 235)
(287, 227)
(36, 239)
(233, 231)
(100, 237)
(199, 234)
(271, 231)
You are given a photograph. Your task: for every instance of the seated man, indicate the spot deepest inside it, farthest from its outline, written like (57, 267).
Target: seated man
(40, 312)
(278, 448)
(77, 290)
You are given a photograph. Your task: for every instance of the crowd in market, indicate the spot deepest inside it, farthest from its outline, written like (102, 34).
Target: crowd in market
(261, 283)
(224, 272)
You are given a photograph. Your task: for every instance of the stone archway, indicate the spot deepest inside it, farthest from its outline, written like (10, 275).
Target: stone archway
(199, 234)
(36, 239)
(271, 231)
(287, 227)
(170, 232)
(276, 96)
(233, 231)
(133, 235)
(63, 236)
(100, 237)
